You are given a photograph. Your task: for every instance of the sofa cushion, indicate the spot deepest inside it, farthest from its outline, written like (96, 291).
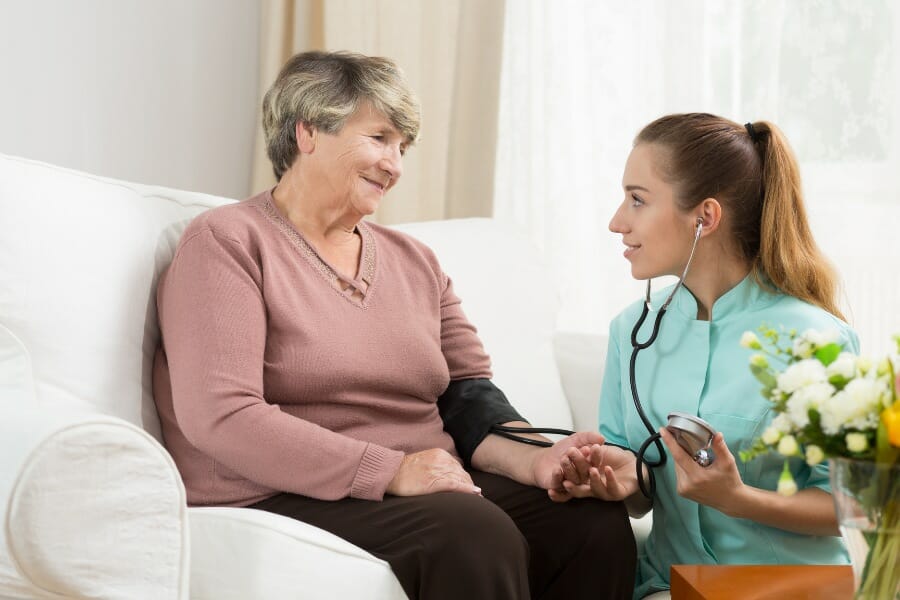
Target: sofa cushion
(507, 292)
(290, 559)
(80, 256)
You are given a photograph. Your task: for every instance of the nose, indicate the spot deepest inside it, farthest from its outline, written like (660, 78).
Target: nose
(392, 162)
(618, 224)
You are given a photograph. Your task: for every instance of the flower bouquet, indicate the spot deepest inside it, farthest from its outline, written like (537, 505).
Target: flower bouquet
(832, 404)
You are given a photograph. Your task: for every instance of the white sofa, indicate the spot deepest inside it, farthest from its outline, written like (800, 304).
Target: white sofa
(92, 504)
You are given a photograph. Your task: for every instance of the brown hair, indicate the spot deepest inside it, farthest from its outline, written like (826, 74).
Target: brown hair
(753, 173)
(323, 89)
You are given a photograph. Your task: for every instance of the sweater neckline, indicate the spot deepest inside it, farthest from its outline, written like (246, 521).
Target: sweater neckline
(356, 290)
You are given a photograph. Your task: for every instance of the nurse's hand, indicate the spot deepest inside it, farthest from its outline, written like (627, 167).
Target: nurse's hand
(598, 471)
(715, 485)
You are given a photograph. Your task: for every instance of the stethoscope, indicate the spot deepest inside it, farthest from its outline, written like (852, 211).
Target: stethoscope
(692, 433)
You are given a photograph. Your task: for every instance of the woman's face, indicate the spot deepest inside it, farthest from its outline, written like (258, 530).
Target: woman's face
(359, 164)
(657, 234)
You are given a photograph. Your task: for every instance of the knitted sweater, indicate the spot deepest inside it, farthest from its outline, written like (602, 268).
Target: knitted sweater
(271, 378)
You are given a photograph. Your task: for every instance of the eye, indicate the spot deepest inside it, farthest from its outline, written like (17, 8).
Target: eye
(377, 137)
(636, 200)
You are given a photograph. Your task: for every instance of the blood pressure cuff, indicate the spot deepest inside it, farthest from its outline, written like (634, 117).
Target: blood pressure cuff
(469, 408)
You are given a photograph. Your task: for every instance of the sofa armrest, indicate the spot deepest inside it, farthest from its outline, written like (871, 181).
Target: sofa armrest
(580, 358)
(93, 507)
(288, 559)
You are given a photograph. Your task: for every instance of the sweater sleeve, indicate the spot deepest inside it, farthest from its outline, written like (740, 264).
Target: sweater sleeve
(465, 355)
(213, 320)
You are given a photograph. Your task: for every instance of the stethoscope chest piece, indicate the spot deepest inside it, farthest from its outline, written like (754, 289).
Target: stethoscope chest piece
(694, 435)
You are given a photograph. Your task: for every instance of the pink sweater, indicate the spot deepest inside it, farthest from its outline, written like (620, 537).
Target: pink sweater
(269, 378)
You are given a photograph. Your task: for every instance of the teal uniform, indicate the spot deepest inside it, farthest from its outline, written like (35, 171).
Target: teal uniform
(699, 368)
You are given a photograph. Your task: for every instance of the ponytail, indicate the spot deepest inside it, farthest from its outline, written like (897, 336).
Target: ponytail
(788, 256)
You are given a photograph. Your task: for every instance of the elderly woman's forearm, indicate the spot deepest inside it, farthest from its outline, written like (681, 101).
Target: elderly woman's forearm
(502, 456)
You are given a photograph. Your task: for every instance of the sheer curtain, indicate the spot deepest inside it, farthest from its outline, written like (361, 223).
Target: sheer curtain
(580, 78)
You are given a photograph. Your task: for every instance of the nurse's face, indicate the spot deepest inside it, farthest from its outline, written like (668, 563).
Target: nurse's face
(657, 234)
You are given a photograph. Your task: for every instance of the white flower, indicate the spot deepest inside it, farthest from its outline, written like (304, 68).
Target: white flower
(782, 423)
(805, 398)
(786, 484)
(758, 360)
(802, 348)
(857, 406)
(856, 442)
(814, 455)
(787, 446)
(843, 366)
(770, 436)
(863, 364)
(749, 340)
(800, 374)
(821, 338)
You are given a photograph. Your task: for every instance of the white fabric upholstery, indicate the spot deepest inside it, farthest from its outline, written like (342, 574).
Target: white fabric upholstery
(503, 285)
(322, 566)
(80, 256)
(78, 522)
(93, 506)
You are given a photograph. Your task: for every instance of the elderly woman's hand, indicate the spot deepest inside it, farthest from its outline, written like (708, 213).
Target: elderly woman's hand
(546, 468)
(605, 472)
(428, 472)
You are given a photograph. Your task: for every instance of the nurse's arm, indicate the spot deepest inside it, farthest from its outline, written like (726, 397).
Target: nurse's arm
(809, 512)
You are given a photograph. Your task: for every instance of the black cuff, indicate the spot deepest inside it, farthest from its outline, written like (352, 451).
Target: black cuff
(469, 407)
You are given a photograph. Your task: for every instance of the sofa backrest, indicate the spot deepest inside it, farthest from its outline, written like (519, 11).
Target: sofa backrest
(80, 257)
(79, 260)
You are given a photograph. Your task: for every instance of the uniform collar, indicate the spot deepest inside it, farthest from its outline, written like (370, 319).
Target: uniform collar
(746, 296)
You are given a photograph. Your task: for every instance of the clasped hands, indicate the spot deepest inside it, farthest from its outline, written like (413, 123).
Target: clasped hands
(608, 473)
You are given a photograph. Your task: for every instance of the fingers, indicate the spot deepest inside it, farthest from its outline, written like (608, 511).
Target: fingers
(576, 466)
(586, 438)
(431, 471)
(681, 458)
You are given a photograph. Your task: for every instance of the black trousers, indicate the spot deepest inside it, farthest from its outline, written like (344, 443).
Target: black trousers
(514, 543)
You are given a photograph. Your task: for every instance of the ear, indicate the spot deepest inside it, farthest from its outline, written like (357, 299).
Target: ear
(711, 212)
(306, 135)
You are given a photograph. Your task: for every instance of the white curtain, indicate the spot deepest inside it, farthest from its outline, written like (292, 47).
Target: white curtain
(581, 77)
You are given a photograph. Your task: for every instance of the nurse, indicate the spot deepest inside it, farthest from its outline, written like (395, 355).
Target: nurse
(736, 187)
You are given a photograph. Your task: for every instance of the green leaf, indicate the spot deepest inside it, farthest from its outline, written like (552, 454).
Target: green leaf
(765, 377)
(828, 354)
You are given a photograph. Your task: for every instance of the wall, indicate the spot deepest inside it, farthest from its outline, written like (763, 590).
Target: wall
(161, 92)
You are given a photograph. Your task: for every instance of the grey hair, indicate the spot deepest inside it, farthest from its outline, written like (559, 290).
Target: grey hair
(323, 89)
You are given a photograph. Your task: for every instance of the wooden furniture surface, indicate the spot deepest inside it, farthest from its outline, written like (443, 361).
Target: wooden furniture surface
(758, 582)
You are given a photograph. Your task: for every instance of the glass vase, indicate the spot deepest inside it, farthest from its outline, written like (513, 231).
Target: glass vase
(867, 498)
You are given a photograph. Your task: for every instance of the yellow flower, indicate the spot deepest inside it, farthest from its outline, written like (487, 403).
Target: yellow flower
(891, 418)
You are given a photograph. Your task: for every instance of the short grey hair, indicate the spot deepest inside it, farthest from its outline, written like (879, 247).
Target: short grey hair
(323, 89)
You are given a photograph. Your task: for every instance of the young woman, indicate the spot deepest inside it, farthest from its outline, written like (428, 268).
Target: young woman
(728, 194)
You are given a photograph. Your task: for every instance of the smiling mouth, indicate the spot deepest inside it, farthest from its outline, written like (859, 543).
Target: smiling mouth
(629, 250)
(381, 187)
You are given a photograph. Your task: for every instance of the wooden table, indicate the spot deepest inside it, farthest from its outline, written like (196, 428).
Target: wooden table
(758, 582)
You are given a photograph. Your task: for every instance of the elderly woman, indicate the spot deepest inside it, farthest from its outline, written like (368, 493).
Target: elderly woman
(311, 362)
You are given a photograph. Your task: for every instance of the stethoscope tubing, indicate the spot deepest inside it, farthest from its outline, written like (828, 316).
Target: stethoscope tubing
(648, 488)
